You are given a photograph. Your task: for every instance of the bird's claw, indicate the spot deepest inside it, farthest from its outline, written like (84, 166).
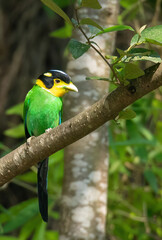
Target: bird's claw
(48, 129)
(28, 141)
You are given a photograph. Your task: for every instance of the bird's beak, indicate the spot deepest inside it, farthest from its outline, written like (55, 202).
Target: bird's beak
(71, 87)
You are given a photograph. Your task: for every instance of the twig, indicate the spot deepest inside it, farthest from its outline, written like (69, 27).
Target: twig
(146, 218)
(90, 43)
(24, 185)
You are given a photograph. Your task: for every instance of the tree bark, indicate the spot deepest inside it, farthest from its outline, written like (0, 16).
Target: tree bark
(107, 108)
(84, 197)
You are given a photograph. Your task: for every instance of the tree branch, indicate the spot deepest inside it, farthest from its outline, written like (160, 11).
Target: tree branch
(38, 148)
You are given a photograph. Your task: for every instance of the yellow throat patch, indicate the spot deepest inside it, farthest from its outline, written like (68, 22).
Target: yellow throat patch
(59, 88)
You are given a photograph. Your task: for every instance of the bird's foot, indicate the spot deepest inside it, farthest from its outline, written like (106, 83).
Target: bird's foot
(28, 141)
(48, 129)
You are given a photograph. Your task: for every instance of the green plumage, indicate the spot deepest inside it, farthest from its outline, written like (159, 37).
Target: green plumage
(42, 110)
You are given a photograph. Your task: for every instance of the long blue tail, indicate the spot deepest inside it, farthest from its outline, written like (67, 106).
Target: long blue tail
(42, 188)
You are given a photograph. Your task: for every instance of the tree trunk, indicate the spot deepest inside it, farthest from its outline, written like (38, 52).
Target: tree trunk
(25, 52)
(84, 197)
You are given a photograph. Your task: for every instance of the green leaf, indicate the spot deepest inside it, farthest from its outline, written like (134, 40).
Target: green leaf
(7, 238)
(64, 32)
(89, 21)
(40, 232)
(16, 109)
(6, 214)
(151, 35)
(64, 3)
(15, 132)
(79, 2)
(115, 28)
(127, 3)
(151, 179)
(51, 235)
(22, 216)
(159, 130)
(77, 49)
(113, 58)
(28, 228)
(134, 134)
(91, 4)
(114, 167)
(53, 6)
(127, 114)
(121, 52)
(98, 78)
(142, 54)
(93, 30)
(133, 71)
(4, 147)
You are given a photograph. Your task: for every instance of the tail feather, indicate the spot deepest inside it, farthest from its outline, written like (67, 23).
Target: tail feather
(42, 188)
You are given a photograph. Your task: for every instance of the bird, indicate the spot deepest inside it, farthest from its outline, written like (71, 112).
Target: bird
(42, 111)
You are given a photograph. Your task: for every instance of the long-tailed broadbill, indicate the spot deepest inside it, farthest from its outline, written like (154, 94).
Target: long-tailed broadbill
(42, 111)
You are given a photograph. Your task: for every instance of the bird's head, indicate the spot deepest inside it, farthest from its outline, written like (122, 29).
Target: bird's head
(56, 82)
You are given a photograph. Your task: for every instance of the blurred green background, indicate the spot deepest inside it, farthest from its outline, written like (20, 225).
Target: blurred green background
(28, 48)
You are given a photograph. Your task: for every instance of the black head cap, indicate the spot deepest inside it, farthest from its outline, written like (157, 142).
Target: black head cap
(49, 80)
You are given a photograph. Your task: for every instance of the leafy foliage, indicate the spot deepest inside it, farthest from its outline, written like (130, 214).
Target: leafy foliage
(151, 35)
(15, 132)
(132, 71)
(17, 109)
(127, 114)
(135, 181)
(19, 215)
(77, 49)
(124, 66)
(25, 216)
(135, 175)
(89, 21)
(141, 54)
(115, 28)
(53, 6)
(91, 4)
(64, 32)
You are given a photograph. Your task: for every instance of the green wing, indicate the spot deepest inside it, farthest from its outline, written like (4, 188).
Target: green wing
(26, 107)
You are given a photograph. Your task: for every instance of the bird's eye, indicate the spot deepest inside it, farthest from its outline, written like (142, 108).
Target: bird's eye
(57, 81)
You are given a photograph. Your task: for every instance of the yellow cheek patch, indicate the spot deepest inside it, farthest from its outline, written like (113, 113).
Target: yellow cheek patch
(48, 74)
(57, 91)
(40, 83)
